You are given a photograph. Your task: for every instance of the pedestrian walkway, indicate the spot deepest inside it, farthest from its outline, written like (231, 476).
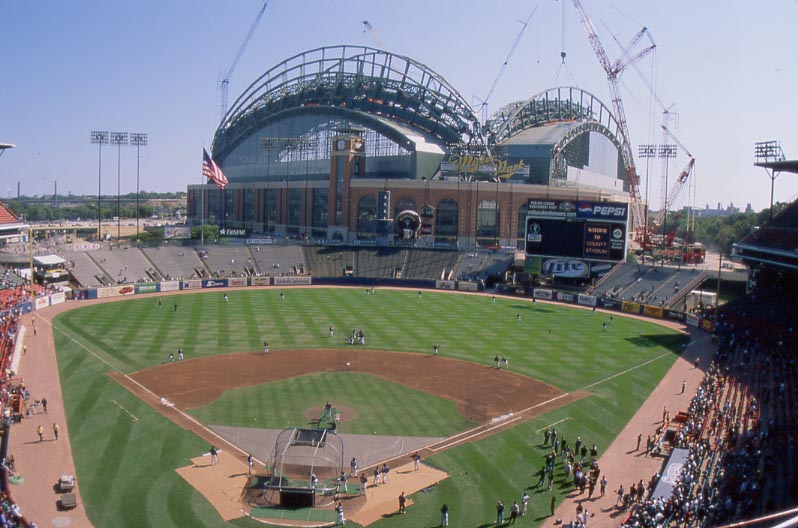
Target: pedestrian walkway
(622, 463)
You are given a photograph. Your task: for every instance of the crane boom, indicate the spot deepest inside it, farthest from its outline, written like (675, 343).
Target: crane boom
(613, 71)
(373, 32)
(225, 82)
(524, 24)
(676, 189)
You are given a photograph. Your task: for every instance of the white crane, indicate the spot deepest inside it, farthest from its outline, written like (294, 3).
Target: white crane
(484, 102)
(225, 82)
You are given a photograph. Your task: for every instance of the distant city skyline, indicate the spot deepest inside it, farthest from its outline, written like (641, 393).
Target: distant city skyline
(724, 76)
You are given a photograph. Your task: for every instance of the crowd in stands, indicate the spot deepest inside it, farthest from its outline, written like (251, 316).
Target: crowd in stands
(10, 514)
(742, 424)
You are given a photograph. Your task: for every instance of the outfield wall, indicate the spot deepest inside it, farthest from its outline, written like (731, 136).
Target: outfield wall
(548, 294)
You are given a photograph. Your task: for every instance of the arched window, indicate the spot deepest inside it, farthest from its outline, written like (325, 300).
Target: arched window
(366, 213)
(403, 204)
(446, 218)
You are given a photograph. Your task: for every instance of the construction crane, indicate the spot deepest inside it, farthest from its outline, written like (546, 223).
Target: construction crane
(484, 102)
(367, 27)
(676, 189)
(613, 71)
(224, 84)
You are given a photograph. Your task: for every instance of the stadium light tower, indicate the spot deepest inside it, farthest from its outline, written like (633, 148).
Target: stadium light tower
(138, 140)
(118, 139)
(99, 137)
(666, 152)
(768, 155)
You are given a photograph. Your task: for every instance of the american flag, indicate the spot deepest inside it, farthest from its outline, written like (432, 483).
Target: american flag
(212, 171)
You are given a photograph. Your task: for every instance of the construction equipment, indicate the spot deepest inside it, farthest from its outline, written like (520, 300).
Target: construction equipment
(678, 185)
(613, 71)
(367, 27)
(484, 102)
(225, 82)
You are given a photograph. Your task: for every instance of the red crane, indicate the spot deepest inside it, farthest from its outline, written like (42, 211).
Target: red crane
(613, 71)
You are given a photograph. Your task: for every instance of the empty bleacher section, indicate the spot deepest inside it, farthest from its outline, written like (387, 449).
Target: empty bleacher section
(174, 262)
(654, 285)
(323, 261)
(483, 264)
(229, 261)
(430, 264)
(277, 259)
(85, 270)
(125, 265)
(380, 262)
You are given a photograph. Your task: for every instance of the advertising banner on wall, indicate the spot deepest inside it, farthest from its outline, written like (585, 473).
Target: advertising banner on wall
(692, 320)
(176, 232)
(57, 298)
(467, 286)
(653, 311)
(676, 316)
(115, 291)
(41, 302)
(214, 283)
(565, 297)
(292, 281)
(566, 268)
(630, 307)
(444, 285)
(542, 294)
(260, 281)
(192, 284)
(168, 286)
(237, 281)
(587, 300)
(85, 246)
(147, 287)
(259, 241)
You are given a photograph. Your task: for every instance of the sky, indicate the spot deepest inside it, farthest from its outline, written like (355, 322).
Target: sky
(723, 75)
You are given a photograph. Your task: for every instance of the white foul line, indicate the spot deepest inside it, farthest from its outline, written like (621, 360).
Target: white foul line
(130, 413)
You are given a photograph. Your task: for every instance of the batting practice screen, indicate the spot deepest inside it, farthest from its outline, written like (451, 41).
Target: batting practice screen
(592, 231)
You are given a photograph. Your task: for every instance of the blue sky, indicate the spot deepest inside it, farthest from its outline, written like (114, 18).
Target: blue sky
(726, 71)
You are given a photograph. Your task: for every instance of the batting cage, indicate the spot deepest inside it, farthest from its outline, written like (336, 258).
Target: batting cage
(304, 470)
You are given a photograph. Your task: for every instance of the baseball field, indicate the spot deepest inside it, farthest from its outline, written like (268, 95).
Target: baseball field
(127, 452)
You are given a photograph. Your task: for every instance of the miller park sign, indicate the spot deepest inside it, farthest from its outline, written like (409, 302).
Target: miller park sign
(485, 164)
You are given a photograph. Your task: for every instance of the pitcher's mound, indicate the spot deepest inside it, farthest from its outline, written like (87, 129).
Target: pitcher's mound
(347, 413)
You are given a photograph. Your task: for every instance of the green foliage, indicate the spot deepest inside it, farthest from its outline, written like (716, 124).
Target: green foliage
(43, 209)
(208, 231)
(718, 233)
(123, 465)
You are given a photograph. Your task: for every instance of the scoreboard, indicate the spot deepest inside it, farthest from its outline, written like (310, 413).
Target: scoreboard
(581, 234)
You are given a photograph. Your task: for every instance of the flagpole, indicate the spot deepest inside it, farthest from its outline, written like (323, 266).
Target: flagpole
(202, 206)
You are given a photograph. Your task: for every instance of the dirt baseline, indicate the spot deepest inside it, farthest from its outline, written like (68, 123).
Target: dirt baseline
(197, 382)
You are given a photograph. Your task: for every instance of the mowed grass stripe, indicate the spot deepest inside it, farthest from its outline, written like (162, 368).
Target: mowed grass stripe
(471, 328)
(380, 405)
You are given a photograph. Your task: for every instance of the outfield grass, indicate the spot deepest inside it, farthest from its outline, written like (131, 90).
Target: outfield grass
(126, 467)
